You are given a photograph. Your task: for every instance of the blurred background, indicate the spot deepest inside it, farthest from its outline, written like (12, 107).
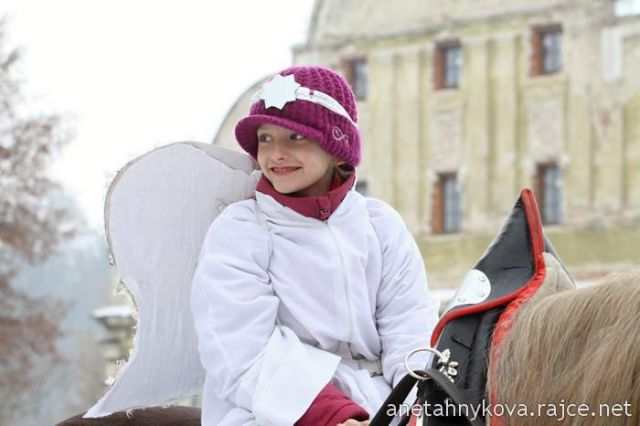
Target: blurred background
(461, 104)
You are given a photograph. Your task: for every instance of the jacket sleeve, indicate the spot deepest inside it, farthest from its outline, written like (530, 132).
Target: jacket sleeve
(330, 408)
(250, 360)
(406, 312)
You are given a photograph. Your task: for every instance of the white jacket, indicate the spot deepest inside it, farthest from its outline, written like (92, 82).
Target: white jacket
(276, 295)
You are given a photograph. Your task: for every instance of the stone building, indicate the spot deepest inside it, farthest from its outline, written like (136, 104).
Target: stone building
(462, 103)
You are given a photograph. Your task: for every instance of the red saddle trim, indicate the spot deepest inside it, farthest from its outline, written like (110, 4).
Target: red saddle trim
(505, 322)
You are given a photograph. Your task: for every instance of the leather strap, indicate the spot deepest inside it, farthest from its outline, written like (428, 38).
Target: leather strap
(435, 378)
(395, 399)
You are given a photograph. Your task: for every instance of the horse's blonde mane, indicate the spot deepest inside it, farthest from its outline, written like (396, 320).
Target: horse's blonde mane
(578, 346)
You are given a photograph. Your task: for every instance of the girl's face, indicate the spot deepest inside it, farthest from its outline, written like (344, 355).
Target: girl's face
(294, 165)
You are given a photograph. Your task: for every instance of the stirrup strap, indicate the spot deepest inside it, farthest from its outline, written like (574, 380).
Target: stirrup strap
(395, 399)
(399, 393)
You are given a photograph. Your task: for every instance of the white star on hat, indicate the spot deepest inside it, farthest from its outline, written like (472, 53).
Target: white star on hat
(279, 91)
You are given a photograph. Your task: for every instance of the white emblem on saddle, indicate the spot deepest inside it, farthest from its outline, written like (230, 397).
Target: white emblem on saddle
(475, 289)
(447, 366)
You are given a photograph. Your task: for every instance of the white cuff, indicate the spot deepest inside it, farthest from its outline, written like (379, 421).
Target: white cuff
(292, 375)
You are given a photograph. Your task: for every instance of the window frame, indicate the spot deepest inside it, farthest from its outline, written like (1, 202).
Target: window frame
(444, 213)
(539, 52)
(549, 195)
(359, 84)
(362, 187)
(440, 65)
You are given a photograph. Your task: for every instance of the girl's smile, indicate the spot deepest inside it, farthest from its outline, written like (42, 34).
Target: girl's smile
(284, 171)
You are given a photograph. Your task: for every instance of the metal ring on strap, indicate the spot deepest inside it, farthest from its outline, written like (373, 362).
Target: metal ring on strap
(415, 351)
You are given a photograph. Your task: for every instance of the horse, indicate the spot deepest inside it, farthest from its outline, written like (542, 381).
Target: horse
(577, 349)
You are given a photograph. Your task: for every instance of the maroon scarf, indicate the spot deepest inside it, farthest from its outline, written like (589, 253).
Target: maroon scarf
(320, 207)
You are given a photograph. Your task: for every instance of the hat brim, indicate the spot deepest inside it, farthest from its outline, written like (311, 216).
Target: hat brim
(247, 130)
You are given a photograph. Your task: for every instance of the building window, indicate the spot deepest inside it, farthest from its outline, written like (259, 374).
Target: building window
(447, 202)
(362, 186)
(357, 76)
(546, 50)
(548, 188)
(447, 65)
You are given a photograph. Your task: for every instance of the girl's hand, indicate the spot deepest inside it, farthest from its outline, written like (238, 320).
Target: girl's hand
(352, 422)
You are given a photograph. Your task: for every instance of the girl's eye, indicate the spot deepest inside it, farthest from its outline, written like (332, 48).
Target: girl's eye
(264, 138)
(296, 137)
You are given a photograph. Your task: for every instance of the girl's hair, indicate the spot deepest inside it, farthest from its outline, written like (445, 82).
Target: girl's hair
(345, 171)
(579, 346)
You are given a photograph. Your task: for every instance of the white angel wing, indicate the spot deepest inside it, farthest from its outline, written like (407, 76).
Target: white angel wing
(157, 212)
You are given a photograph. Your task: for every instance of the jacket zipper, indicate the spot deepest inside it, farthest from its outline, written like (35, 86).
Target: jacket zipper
(344, 281)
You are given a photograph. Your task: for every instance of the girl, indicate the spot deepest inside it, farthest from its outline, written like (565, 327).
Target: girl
(307, 298)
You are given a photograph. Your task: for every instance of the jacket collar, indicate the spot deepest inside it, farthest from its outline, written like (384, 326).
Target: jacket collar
(320, 208)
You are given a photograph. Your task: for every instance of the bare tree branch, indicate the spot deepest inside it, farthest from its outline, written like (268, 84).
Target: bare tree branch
(33, 223)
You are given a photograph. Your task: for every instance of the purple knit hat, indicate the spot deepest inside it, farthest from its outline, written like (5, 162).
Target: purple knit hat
(314, 101)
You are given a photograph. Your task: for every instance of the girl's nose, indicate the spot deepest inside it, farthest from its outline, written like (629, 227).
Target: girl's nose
(279, 152)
